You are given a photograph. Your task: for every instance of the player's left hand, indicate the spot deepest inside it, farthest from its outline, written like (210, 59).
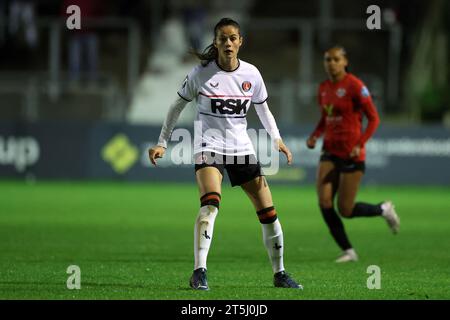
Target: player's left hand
(282, 148)
(355, 151)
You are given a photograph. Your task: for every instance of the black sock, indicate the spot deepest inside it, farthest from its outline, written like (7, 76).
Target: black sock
(336, 227)
(362, 209)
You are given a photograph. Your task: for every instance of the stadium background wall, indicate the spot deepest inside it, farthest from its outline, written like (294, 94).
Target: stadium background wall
(104, 151)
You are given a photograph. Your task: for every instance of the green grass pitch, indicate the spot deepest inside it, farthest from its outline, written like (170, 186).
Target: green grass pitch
(134, 241)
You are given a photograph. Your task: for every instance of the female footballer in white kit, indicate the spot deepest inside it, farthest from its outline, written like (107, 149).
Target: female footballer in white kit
(224, 87)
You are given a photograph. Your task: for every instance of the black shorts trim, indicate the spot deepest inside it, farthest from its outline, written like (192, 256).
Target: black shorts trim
(343, 165)
(240, 169)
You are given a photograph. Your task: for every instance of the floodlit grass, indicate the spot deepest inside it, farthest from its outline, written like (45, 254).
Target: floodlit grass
(135, 241)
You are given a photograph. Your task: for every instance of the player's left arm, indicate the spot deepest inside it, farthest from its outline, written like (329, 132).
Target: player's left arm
(364, 100)
(268, 121)
(259, 99)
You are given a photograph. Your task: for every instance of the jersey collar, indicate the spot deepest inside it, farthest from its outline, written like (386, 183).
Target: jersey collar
(218, 66)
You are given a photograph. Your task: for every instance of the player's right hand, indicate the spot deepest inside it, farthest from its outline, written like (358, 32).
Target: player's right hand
(155, 153)
(311, 142)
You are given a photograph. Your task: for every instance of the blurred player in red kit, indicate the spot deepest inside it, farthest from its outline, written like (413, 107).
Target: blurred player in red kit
(344, 100)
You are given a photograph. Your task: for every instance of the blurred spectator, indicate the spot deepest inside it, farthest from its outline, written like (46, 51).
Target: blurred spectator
(22, 14)
(171, 47)
(194, 16)
(83, 44)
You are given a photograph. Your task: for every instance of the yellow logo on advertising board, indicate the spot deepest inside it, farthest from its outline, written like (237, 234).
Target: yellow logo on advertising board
(120, 153)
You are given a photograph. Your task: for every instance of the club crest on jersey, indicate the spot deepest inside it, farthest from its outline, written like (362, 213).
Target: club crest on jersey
(246, 86)
(341, 92)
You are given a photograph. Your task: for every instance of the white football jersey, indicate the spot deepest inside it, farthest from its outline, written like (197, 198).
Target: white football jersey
(223, 99)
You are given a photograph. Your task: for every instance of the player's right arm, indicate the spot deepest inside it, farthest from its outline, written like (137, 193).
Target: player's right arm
(169, 123)
(312, 139)
(186, 94)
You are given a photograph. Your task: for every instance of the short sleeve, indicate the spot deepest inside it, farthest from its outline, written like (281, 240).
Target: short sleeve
(260, 93)
(188, 90)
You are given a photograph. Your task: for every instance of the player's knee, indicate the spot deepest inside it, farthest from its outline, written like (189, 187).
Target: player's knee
(267, 215)
(210, 199)
(325, 203)
(345, 210)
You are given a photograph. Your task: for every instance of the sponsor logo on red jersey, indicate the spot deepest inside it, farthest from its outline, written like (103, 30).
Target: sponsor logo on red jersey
(328, 109)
